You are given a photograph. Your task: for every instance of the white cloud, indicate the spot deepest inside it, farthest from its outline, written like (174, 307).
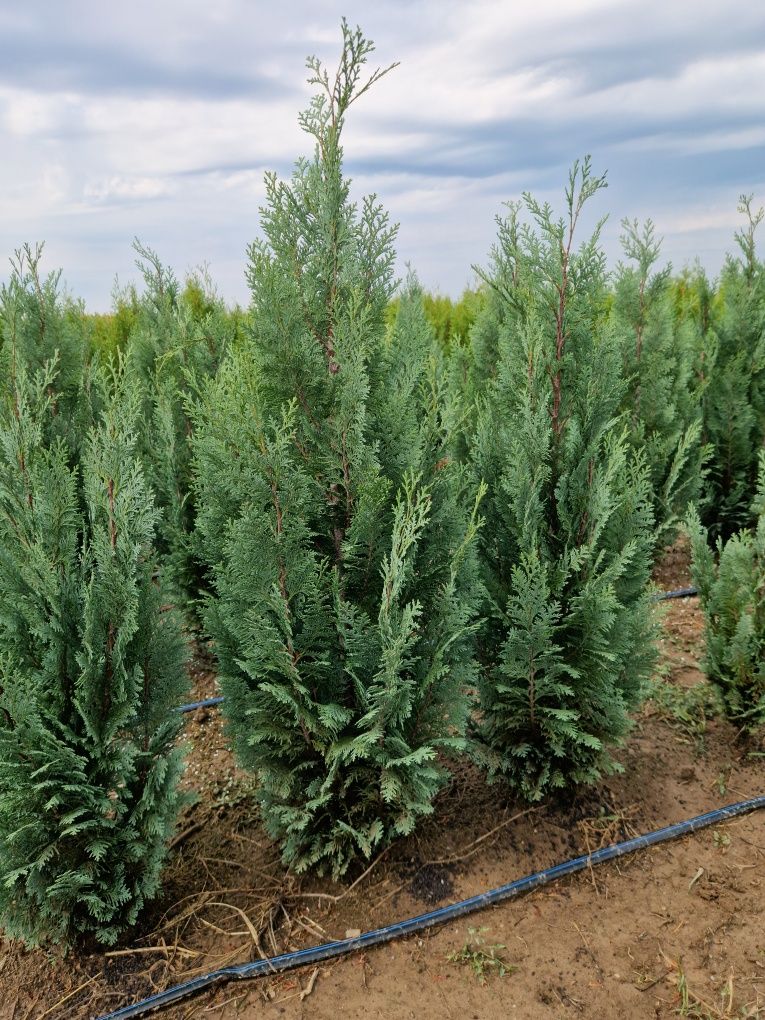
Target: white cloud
(128, 188)
(25, 114)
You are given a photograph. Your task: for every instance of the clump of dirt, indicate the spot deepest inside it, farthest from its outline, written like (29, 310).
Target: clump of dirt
(430, 884)
(673, 569)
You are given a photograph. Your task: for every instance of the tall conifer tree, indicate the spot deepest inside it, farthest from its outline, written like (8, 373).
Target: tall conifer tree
(734, 404)
(567, 539)
(662, 398)
(177, 341)
(731, 583)
(338, 532)
(40, 325)
(91, 668)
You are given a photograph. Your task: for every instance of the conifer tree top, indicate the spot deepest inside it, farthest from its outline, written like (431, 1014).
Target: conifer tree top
(325, 114)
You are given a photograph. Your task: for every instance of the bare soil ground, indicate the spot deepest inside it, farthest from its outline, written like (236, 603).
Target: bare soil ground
(678, 930)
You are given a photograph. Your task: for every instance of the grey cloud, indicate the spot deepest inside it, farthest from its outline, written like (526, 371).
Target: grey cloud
(599, 68)
(45, 65)
(629, 42)
(520, 144)
(172, 49)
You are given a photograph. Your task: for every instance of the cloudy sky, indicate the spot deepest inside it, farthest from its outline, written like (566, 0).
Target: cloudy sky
(158, 119)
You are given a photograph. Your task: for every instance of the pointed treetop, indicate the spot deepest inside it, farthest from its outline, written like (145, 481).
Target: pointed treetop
(324, 117)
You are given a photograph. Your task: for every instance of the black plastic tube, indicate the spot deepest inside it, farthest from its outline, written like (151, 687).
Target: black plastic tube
(193, 705)
(680, 593)
(331, 950)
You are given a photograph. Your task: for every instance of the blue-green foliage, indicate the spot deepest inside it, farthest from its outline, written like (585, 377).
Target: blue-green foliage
(662, 398)
(732, 592)
(176, 343)
(39, 324)
(91, 666)
(338, 533)
(473, 367)
(567, 538)
(734, 402)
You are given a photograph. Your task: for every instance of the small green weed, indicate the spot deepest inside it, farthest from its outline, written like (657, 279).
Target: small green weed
(694, 1007)
(234, 792)
(722, 780)
(721, 839)
(482, 958)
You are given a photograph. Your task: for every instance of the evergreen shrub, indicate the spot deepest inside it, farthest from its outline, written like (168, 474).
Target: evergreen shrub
(662, 398)
(567, 538)
(91, 668)
(91, 661)
(734, 402)
(731, 583)
(176, 343)
(337, 530)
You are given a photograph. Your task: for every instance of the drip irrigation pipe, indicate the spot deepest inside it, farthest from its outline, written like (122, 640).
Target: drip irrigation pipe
(331, 950)
(193, 705)
(679, 593)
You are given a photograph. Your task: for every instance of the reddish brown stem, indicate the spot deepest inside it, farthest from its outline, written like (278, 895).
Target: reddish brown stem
(560, 332)
(112, 521)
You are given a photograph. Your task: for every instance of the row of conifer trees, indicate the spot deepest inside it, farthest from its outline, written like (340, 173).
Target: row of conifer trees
(400, 550)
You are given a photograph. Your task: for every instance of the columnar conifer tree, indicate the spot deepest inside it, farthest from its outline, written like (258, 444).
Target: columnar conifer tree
(338, 532)
(91, 667)
(660, 355)
(734, 405)
(37, 326)
(473, 367)
(505, 294)
(731, 583)
(175, 346)
(567, 539)
(451, 320)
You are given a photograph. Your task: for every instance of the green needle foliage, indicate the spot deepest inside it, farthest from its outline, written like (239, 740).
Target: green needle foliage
(39, 325)
(662, 397)
(338, 533)
(567, 539)
(452, 321)
(734, 405)
(732, 594)
(91, 667)
(176, 343)
(473, 367)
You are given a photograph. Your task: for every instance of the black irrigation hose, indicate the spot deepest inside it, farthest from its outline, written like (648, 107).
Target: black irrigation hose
(330, 950)
(193, 705)
(680, 593)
